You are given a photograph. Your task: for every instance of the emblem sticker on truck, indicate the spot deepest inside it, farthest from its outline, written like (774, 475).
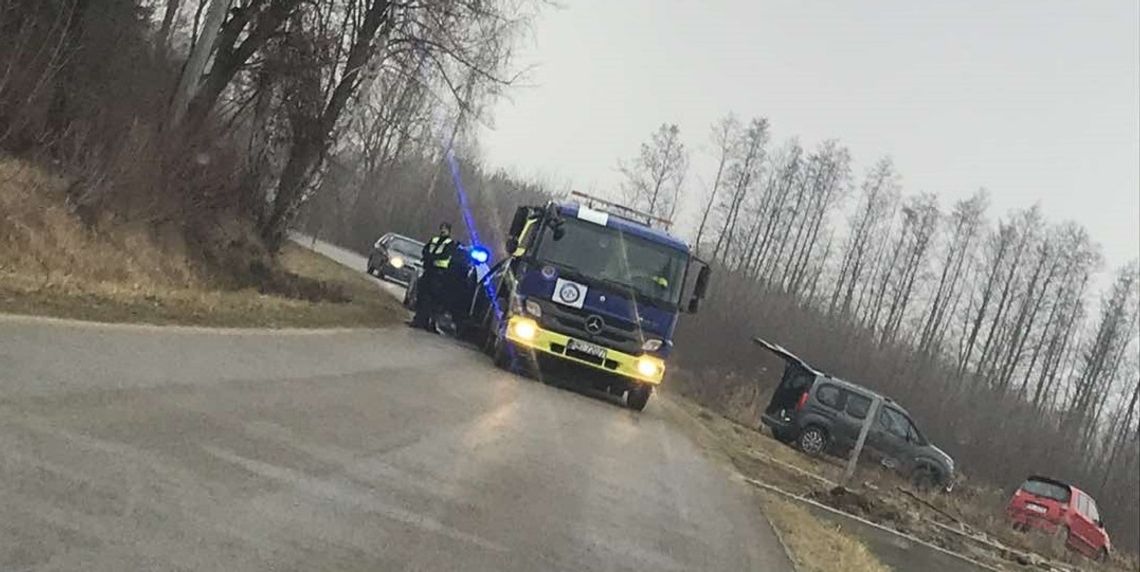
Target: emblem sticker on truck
(569, 293)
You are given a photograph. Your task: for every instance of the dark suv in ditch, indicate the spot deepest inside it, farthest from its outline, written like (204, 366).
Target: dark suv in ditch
(820, 414)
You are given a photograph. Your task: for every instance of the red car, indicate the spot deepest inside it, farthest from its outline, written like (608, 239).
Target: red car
(1062, 509)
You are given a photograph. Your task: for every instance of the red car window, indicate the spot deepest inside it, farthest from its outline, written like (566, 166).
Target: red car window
(1094, 514)
(1045, 489)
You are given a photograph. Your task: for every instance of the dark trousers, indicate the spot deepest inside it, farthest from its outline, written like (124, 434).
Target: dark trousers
(428, 297)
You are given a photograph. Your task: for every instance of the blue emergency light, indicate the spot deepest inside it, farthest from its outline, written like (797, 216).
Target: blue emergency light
(479, 254)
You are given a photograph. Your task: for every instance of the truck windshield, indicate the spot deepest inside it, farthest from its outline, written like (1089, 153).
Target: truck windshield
(655, 272)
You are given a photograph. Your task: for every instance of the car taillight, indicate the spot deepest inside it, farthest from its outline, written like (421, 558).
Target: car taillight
(802, 402)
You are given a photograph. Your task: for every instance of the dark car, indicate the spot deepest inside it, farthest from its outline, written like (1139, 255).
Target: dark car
(823, 414)
(395, 258)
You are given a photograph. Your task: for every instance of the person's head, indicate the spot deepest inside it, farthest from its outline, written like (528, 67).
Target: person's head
(445, 229)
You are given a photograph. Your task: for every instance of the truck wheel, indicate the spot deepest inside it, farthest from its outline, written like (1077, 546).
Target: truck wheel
(813, 440)
(501, 353)
(489, 332)
(638, 396)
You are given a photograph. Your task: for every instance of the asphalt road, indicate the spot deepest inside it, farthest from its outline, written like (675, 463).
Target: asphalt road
(145, 448)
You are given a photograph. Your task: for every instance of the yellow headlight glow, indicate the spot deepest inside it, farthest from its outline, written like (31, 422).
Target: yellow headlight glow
(649, 366)
(525, 329)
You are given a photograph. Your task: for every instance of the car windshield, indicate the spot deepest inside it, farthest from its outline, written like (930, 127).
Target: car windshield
(406, 246)
(1047, 490)
(653, 271)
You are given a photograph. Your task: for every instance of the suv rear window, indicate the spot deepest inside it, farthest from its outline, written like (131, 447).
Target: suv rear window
(1059, 493)
(857, 405)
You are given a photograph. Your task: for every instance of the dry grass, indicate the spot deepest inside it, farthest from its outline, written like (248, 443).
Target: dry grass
(52, 263)
(816, 546)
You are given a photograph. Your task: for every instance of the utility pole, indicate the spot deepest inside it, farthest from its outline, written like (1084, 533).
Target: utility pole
(867, 422)
(199, 56)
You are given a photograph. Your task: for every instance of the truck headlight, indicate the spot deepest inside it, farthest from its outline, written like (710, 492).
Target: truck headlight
(651, 345)
(525, 328)
(533, 308)
(396, 262)
(649, 366)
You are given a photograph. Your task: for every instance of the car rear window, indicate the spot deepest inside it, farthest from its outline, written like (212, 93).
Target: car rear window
(1045, 489)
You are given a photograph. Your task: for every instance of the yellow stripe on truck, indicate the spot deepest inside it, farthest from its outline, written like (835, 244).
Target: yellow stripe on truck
(526, 332)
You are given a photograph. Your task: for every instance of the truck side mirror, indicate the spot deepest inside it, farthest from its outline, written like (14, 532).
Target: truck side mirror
(702, 286)
(694, 305)
(518, 221)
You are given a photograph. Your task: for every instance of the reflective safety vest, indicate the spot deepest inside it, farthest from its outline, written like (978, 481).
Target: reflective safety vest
(438, 248)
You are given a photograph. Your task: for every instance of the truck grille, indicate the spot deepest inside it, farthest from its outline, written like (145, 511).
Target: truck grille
(618, 334)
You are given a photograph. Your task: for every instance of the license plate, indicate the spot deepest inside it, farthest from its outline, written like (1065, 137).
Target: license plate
(1037, 508)
(587, 348)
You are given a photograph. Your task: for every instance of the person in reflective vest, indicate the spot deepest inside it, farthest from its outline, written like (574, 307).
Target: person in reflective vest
(437, 259)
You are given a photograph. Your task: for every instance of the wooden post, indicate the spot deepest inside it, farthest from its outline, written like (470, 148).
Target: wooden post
(867, 422)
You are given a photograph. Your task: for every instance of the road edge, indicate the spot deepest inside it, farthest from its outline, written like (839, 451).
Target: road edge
(675, 414)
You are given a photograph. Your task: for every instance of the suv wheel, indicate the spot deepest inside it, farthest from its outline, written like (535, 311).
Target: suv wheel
(924, 477)
(813, 440)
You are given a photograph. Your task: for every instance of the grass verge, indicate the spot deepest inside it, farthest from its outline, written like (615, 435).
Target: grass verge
(815, 545)
(54, 264)
(366, 306)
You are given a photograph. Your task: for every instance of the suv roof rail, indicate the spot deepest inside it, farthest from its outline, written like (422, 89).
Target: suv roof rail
(648, 219)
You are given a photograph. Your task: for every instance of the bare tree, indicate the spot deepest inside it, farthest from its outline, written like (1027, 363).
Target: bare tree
(920, 221)
(879, 192)
(965, 224)
(1101, 359)
(725, 139)
(654, 178)
(743, 171)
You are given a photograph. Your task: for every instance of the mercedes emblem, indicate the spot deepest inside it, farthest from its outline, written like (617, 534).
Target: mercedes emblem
(594, 324)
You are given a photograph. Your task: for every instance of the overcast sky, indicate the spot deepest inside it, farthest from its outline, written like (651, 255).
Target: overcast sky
(1035, 100)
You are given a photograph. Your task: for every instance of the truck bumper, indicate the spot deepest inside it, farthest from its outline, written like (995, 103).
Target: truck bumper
(526, 333)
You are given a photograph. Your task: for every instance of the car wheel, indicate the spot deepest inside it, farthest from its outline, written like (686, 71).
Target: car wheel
(924, 477)
(813, 440)
(1102, 556)
(638, 396)
(410, 295)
